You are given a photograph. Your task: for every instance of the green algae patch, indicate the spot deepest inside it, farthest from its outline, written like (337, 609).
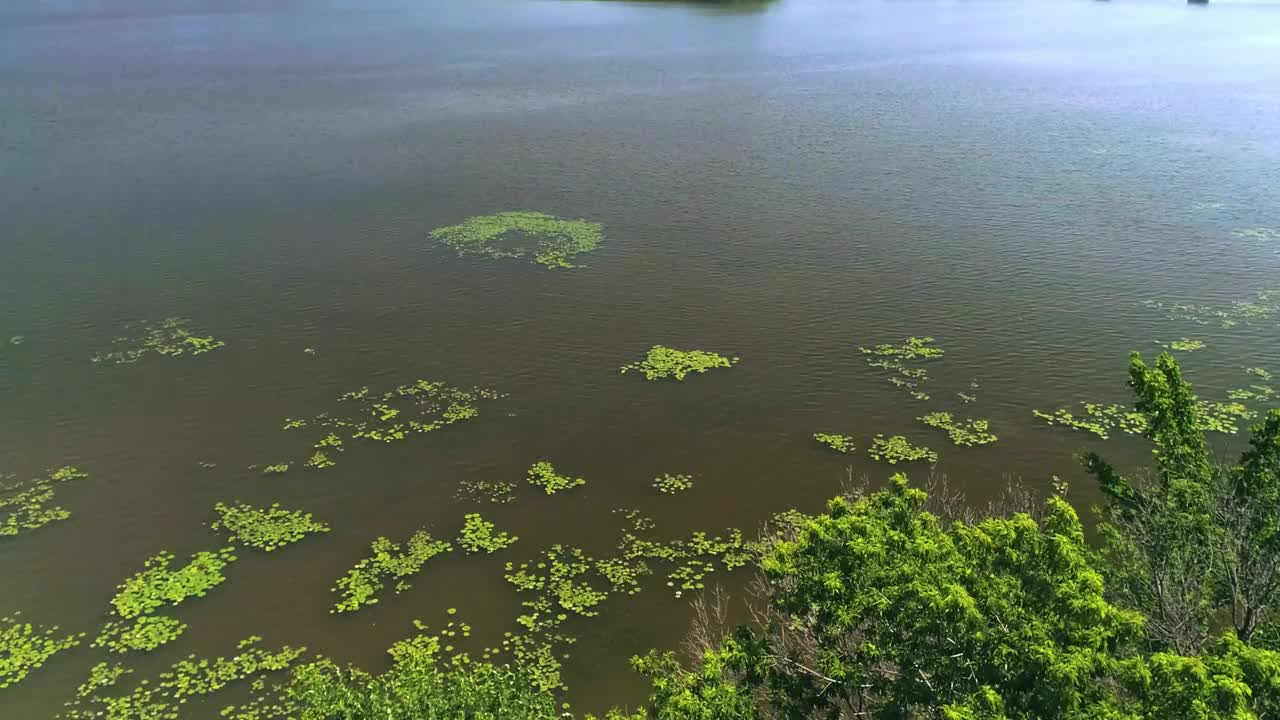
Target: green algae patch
(25, 647)
(171, 337)
(547, 240)
(543, 474)
(265, 528)
(388, 561)
(669, 484)
(28, 505)
(896, 449)
(664, 362)
(965, 432)
(839, 443)
(478, 536)
(164, 697)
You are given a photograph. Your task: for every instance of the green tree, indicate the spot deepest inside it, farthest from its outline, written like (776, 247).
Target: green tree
(1193, 538)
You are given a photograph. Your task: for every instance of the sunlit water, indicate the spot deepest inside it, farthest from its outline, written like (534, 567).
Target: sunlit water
(782, 184)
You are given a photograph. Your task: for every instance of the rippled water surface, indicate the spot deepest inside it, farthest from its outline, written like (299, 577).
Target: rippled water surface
(782, 183)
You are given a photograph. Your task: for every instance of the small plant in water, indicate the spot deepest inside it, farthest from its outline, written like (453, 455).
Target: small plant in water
(550, 241)
(897, 360)
(842, 443)
(966, 432)
(897, 449)
(25, 506)
(498, 492)
(1185, 345)
(170, 337)
(478, 535)
(17, 340)
(277, 469)
(157, 585)
(25, 647)
(669, 484)
(664, 362)
(265, 528)
(319, 460)
(544, 475)
(361, 584)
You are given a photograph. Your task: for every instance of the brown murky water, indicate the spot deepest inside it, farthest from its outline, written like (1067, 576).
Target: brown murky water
(782, 184)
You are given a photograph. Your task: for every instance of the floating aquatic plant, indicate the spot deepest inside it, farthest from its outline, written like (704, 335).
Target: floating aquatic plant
(416, 408)
(1223, 417)
(550, 241)
(1099, 419)
(1259, 372)
(544, 475)
(498, 492)
(17, 339)
(1259, 233)
(671, 484)
(1254, 393)
(26, 506)
(102, 675)
(164, 698)
(966, 397)
(277, 469)
(1263, 307)
(478, 535)
(265, 528)
(664, 362)
(157, 585)
(842, 443)
(560, 585)
(1185, 345)
(319, 460)
(361, 584)
(141, 635)
(25, 647)
(965, 432)
(170, 337)
(896, 449)
(895, 359)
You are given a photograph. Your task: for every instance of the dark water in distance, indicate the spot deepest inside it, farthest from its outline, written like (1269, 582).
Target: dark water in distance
(782, 184)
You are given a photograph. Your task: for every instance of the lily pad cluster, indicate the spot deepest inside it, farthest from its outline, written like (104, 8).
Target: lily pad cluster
(416, 408)
(548, 240)
(902, 363)
(265, 528)
(25, 647)
(669, 484)
(966, 432)
(1185, 345)
(171, 337)
(478, 536)
(840, 443)
(897, 448)
(27, 506)
(1263, 306)
(1253, 393)
(136, 624)
(663, 362)
(164, 697)
(362, 583)
(544, 475)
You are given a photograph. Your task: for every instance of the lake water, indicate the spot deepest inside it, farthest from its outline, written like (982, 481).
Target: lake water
(781, 183)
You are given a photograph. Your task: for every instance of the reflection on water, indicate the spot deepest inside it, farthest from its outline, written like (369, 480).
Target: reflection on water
(782, 183)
